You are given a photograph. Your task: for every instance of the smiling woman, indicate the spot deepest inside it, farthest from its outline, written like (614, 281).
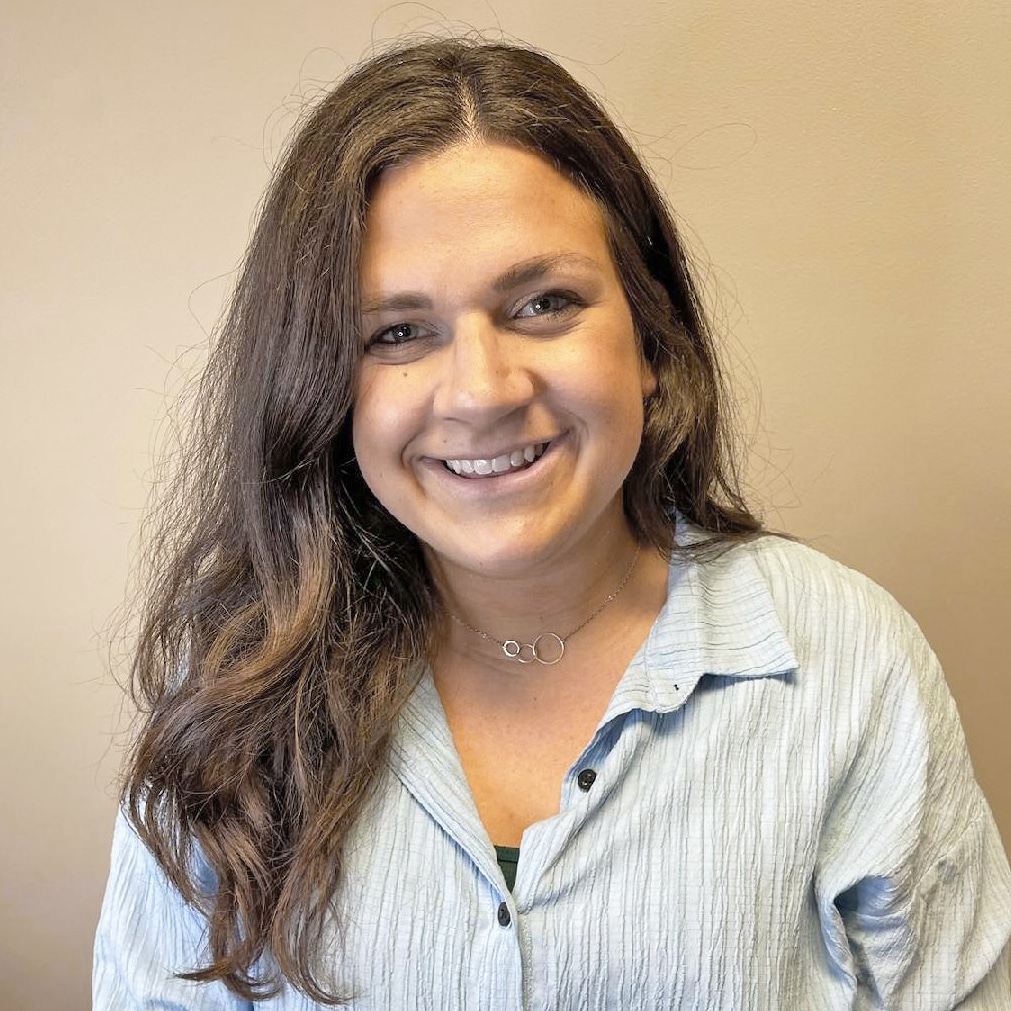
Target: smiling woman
(462, 641)
(519, 343)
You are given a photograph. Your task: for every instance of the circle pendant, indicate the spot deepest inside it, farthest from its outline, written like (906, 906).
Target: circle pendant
(549, 660)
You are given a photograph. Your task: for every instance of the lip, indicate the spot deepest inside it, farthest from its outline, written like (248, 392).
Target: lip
(495, 482)
(480, 467)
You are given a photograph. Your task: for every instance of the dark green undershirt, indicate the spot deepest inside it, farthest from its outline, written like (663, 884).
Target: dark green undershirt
(508, 858)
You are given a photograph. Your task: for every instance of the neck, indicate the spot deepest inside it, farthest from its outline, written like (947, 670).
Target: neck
(554, 599)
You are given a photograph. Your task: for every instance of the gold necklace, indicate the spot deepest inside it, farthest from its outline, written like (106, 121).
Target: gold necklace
(528, 652)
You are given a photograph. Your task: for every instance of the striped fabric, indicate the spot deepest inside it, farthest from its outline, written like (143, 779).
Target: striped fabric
(783, 817)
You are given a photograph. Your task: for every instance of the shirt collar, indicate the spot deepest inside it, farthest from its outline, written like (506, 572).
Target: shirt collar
(719, 619)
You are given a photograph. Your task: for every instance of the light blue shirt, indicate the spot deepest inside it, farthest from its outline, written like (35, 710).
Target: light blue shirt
(784, 816)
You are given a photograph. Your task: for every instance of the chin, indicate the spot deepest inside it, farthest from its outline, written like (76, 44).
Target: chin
(506, 561)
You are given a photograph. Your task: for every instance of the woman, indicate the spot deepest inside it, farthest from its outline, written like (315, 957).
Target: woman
(462, 587)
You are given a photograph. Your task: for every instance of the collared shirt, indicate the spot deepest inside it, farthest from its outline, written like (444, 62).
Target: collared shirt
(781, 815)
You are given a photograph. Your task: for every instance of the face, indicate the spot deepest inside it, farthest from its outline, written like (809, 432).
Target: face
(500, 400)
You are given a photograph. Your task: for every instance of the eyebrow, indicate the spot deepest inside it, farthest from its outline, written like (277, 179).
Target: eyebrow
(520, 273)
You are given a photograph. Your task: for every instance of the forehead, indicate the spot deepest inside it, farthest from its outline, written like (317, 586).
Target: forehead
(473, 207)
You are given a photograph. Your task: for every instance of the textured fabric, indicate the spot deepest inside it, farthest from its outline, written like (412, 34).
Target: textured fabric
(783, 817)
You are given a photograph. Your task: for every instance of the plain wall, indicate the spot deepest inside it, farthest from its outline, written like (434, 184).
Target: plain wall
(842, 172)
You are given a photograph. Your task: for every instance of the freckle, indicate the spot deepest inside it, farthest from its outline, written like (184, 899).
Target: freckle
(404, 374)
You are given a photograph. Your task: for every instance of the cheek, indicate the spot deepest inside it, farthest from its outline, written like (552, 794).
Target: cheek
(369, 428)
(371, 448)
(384, 419)
(621, 383)
(361, 422)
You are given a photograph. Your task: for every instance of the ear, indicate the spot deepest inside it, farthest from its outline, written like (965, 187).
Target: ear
(648, 378)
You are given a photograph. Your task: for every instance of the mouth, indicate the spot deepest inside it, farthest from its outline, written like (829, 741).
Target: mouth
(507, 463)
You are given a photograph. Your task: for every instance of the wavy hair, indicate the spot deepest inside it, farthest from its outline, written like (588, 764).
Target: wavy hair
(286, 611)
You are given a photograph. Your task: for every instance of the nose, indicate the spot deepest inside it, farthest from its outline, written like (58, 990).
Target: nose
(485, 375)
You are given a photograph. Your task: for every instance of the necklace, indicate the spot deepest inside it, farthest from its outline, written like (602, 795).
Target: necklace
(528, 652)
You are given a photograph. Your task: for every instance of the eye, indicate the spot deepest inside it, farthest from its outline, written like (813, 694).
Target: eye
(550, 303)
(399, 333)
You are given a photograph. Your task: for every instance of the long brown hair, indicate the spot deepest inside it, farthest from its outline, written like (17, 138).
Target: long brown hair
(286, 610)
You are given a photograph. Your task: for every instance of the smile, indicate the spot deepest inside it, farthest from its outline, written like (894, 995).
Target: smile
(518, 459)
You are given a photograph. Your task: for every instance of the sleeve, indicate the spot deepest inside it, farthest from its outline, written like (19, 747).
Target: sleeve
(913, 883)
(146, 934)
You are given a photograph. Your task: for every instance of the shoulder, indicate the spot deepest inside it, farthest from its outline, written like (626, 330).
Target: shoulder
(818, 598)
(791, 568)
(852, 642)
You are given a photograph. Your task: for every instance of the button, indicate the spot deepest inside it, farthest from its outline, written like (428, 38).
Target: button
(586, 779)
(504, 919)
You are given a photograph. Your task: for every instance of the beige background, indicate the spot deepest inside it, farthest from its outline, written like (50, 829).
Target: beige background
(843, 172)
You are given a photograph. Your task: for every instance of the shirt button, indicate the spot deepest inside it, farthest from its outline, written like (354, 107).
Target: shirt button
(586, 779)
(504, 918)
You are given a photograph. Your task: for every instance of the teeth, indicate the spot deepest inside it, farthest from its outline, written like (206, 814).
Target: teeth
(500, 464)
